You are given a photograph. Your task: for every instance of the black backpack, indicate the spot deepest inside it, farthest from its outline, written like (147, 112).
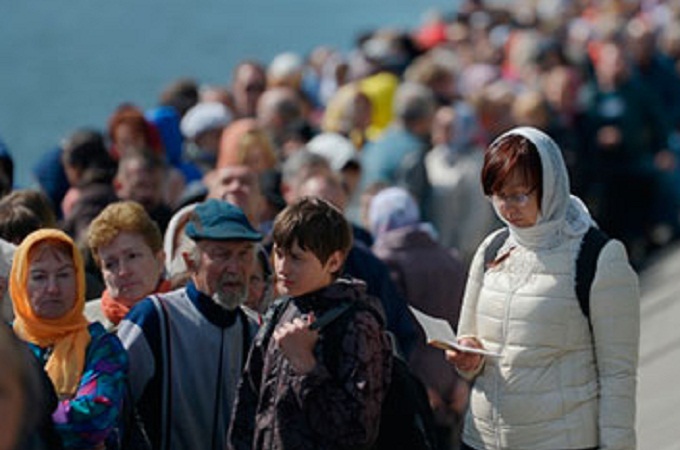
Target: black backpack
(586, 262)
(406, 418)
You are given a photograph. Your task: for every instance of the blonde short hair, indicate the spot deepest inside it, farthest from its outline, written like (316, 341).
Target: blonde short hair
(122, 216)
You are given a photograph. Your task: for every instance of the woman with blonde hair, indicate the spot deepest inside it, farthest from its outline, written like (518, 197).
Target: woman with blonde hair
(244, 143)
(127, 246)
(349, 113)
(86, 365)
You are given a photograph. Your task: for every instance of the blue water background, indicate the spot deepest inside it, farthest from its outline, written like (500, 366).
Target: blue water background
(69, 63)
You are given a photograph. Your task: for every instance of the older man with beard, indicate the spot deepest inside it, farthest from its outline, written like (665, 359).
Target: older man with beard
(187, 347)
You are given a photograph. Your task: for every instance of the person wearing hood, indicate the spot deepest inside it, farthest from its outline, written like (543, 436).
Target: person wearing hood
(561, 379)
(434, 285)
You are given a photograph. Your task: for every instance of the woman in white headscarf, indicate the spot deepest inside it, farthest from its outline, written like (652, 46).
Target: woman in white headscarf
(562, 380)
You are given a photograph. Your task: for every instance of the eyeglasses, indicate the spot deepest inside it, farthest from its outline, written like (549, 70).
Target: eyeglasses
(519, 200)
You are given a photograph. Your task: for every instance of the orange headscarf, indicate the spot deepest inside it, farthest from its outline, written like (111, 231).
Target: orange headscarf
(68, 334)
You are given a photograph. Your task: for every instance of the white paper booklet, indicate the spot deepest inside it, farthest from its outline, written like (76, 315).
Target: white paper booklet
(439, 333)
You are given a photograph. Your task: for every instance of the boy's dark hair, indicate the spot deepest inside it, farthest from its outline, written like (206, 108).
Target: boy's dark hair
(314, 225)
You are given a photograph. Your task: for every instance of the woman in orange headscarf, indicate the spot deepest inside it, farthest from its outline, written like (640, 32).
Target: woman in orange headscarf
(87, 365)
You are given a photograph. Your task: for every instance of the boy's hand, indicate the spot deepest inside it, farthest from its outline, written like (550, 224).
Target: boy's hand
(297, 342)
(465, 361)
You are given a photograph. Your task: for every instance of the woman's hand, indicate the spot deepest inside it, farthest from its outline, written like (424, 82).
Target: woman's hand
(465, 361)
(297, 342)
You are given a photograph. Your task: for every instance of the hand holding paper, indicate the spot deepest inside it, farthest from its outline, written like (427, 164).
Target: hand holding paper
(439, 333)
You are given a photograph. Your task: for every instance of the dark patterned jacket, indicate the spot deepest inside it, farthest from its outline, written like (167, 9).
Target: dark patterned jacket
(337, 404)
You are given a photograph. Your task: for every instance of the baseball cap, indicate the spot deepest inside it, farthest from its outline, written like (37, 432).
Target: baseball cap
(218, 220)
(204, 117)
(337, 149)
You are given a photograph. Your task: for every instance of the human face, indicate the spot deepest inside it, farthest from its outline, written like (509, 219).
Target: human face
(257, 285)
(517, 202)
(51, 283)
(130, 269)
(239, 186)
(128, 137)
(248, 86)
(11, 407)
(222, 270)
(299, 272)
(141, 185)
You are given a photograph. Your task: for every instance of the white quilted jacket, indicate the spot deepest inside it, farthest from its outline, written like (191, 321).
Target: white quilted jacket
(555, 386)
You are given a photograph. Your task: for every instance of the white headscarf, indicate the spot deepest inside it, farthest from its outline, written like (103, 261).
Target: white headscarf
(562, 215)
(175, 241)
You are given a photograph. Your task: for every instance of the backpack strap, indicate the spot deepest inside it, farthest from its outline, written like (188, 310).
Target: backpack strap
(496, 243)
(271, 318)
(245, 340)
(586, 265)
(586, 261)
(166, 345)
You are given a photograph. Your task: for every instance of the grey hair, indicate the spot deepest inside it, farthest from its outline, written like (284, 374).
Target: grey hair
(413, 102)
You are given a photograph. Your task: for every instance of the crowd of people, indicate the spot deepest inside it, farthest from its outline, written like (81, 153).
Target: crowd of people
(141, 266)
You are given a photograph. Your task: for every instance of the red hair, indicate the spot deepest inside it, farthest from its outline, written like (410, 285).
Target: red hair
(131, 115)
(507, 154)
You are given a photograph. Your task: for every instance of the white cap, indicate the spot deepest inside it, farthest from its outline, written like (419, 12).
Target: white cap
(204, 117)
(285, 65)
(337, 149)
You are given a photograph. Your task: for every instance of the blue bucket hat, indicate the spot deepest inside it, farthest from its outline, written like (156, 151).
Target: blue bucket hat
(218, 220)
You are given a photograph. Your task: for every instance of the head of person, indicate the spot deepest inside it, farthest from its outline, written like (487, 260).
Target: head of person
(248, 84)
(311, 241)
(430, 71)
(221, 263)
(37, 201)
(327, 186)
(243, 142)
(531, 108)
(391, 209)
(414, 107)
(611, 66)
(238, 185)
(348, 110)
(286, 70)
(512, 178)
(127, 245)
(299, 167)
(202, 126)
(342, 156)
(260, 285)
(128, 130)
(85, 157)
(47, 277)
(180, 94)
(17, 222)
(279, 109)
(141, 178)
(47, 287)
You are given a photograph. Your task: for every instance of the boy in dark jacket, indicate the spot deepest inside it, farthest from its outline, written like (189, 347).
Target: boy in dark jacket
(305, 388)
